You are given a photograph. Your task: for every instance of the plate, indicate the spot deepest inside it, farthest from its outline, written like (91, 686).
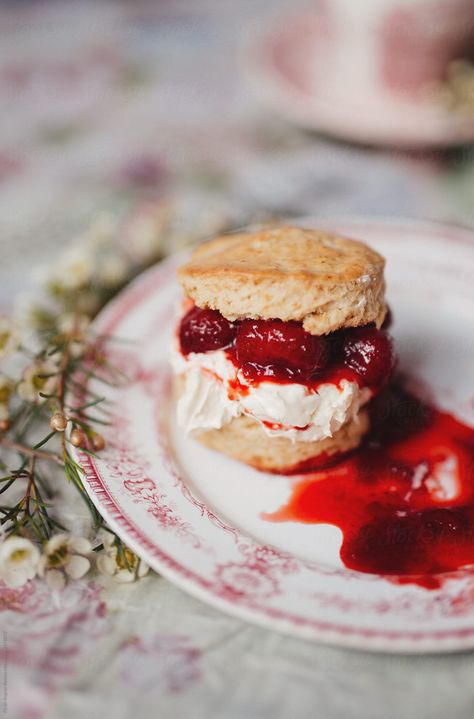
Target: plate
(196, 516)
(276, 63)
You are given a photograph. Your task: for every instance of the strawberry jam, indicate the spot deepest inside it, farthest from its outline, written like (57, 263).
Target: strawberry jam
(273, 348)
(204, 331)
(369, 353)
(278, 351)
(405, 500)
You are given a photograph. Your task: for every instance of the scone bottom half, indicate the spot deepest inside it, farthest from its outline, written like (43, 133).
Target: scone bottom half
(281, 346)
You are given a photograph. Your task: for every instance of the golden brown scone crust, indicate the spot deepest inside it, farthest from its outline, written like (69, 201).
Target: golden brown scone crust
(289, 273)
(244, 439)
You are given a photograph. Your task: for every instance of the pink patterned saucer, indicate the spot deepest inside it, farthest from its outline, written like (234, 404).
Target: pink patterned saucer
(278, 64)
(196, 516)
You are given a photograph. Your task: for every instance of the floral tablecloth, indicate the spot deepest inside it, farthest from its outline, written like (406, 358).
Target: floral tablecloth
(106, 106)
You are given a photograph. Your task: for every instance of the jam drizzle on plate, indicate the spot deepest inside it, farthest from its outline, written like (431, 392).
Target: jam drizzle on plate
(405, 500)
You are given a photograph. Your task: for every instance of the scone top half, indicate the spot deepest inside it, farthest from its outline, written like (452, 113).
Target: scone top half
(324, 281)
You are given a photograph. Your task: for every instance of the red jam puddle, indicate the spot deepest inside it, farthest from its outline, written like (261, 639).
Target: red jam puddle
(405, 500)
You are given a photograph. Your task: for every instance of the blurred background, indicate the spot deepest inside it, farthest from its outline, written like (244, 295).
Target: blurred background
(222, 113)
(158, 123)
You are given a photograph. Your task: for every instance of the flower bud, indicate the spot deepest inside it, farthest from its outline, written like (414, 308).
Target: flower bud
(58, 422)
(98, 442)
(78, 437)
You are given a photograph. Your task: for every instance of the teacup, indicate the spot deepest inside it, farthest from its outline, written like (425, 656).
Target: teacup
(374, 47)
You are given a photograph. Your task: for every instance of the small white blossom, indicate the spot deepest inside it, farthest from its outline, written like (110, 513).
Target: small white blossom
(40, 377)
(74, 269)
(6, 391)
(75, 326)
(9, 337)
(32, 316)
(113, 270)
(110, 562)
(64, 556)
(144, 234)
(102, 231)
(19, 560)
(89, 302)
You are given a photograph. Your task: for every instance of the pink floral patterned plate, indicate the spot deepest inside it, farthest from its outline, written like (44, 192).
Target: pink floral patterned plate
(196, 516)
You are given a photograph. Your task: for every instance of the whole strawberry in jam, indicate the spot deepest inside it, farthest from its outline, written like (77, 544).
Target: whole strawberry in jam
(282, 347)
(369, 352)
(205, 330)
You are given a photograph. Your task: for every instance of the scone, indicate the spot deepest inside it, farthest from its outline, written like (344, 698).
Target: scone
(280, 346)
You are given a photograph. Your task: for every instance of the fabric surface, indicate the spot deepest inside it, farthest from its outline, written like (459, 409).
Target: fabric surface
(106, 105)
